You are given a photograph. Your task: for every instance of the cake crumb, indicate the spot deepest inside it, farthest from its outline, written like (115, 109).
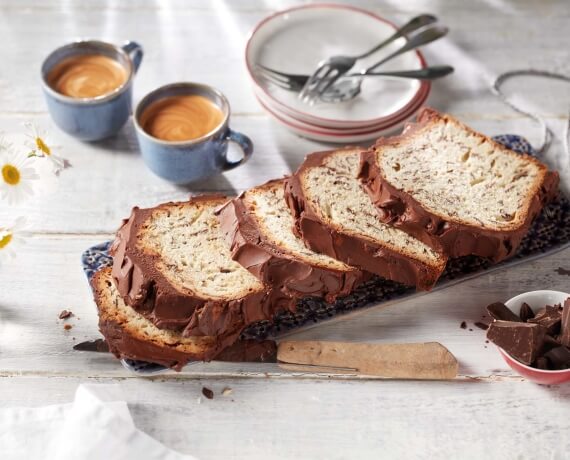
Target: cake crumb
(67, 327)
(227, 391)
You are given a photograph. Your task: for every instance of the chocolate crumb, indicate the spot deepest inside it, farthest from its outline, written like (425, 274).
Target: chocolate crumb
(207, 393)
(526, 312)
(463, 325)
(67, 327)
(486, 341)
(470, 330)
(562, 271)
(481, 325)
(65, 314)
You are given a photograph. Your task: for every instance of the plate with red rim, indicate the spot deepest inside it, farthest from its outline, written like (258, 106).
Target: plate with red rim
(297, 39)
(353, 135)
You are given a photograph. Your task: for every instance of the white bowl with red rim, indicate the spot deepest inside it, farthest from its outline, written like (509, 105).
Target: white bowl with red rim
(536, 300)
(296, 39)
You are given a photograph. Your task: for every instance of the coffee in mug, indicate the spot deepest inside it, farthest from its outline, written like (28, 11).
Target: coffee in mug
(181, 118)
(87, 76)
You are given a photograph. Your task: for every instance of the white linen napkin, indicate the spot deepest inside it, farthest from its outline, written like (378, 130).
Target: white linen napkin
(97, 425)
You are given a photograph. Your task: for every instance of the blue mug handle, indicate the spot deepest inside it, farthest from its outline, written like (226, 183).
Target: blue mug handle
(135, 52)
(244, 143)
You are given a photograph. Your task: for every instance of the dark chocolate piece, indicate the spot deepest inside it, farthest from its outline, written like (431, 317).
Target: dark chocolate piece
(98, 345)
(65, 314)
(526, 312)
(558, 358)
(523, 341)
(399, 209)
(463, 325)
(549, 317)
(564, 336)
(208, 393)
(501, 312)
(562, 271)
(481, 325)
(541, 363)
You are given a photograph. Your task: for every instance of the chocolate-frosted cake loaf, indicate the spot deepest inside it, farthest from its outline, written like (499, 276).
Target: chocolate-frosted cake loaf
(130, 335)
(172, 265)
(456, 189)
(258, 226)
(334, 216)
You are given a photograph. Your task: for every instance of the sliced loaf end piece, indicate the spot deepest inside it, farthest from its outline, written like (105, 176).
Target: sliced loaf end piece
(130, 335)
(455, 188)
(335, 216)
(259, 227)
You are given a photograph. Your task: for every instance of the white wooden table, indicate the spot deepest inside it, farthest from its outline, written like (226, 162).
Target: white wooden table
(487, 413)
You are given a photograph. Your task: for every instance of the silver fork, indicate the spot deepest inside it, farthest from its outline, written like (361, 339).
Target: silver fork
(333, 68)
(295, 82)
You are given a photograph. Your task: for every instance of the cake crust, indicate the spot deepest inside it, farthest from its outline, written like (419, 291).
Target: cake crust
(455, 237)
(349, 248)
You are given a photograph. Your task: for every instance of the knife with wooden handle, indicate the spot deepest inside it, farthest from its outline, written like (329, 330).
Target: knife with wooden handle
(421, 361)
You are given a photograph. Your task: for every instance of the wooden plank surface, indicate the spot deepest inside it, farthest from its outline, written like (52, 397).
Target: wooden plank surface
(272, 412)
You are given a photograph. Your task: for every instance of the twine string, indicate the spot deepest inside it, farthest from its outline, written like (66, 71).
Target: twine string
(547, 134)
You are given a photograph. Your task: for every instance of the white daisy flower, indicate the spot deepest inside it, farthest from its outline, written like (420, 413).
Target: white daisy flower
(10, 238)
(16, 177)
(41, 146)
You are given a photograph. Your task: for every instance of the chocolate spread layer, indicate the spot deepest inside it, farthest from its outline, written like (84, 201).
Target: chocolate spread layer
(274, 265)
(144, 287)
(401, 210)
(352, 250)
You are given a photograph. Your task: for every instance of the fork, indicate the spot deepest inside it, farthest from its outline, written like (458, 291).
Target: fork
(296, 82)
(333, 68)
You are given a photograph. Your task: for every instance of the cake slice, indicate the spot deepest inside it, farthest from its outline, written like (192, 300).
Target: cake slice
(336, 217)
(131, 335)
(258, 226)
(172, 264)
(454, 188)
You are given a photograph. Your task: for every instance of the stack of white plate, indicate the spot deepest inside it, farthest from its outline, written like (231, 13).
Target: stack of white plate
(296, 40)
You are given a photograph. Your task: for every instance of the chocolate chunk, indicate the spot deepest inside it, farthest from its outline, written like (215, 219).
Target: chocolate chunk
(501, 312)
(92, 345)
(65, 314)
(549, 317)
(562, 271)
(463, 325)
(541, 363)
(564, 336)
(558, 358)
(208, 393)
(481, 325)
(526, 312)
(523, 341)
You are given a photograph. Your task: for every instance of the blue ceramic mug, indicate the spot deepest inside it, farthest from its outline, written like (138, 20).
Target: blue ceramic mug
(95, 118)
(182, 162)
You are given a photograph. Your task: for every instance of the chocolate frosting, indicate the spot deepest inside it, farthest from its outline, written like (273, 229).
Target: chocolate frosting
(144, 288)
(272, 264)
(355, 251)
(397, 208)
